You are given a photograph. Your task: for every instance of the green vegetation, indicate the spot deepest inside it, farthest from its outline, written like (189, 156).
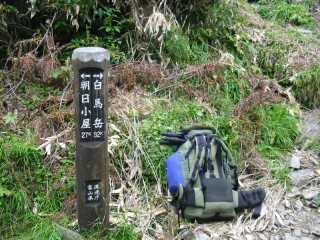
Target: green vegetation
(219, 27)
(306, 86)
(279, 126)
(284, 12)
(273, 59)
(28, 187)
(182, 51)
(279, 129)
(76, 23)
(45, 230)
(122, 231)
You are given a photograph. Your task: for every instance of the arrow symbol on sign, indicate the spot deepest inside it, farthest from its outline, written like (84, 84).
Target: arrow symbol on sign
(101, 75)
(85, 75)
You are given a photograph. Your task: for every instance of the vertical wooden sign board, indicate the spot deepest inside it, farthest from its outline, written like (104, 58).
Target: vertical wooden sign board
(90, 66)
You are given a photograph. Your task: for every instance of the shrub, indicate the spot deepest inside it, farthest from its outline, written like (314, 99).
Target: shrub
(222, 28)
(177, 47)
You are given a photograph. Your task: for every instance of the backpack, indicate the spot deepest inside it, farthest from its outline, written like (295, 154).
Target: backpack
(202, 177)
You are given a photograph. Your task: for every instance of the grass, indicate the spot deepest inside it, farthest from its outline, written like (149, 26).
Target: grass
(45, 229)
(34, 94)
(181, 50)
(121, 232)
(306, 86)
(279, 130)
(287, 13)
(272, 58)
(28, 187)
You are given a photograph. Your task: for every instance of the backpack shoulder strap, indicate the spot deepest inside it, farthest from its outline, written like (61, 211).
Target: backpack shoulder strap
(200, 153)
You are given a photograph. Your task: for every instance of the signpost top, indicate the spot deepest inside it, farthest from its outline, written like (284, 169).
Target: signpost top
(86, 54)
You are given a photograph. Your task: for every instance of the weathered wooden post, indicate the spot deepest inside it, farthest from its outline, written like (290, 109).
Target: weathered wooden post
(90, 66)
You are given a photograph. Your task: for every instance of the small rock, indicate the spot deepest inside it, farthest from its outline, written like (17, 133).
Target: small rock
(306, 238)
(295, 162)
(275, 237)
(201, 236)
(262, 236)
(315, 230)
(298, 205)
(186, 234)
(287, 203)
(289, 236)
(68, 234)
(297, 232)
(250, 237)
(305, 31)
(309, 194)
(300, 177)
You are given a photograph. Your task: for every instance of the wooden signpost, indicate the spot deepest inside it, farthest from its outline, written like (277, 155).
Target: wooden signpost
(90, 66)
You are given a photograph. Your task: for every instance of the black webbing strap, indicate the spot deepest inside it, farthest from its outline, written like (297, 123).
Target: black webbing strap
(257, 212)
(209, 160)
(219, 158)
(200, 143)
(193, 146)
(206, 152)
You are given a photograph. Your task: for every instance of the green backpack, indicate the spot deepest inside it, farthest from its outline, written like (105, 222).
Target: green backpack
(202, 177)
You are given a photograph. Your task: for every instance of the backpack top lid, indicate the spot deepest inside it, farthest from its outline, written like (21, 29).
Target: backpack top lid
(178, 138)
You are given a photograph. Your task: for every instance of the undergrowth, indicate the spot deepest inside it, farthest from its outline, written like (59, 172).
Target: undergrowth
(306, 86)
(27, 186)
(122, 231)
(272, 58)
(284, 12)
(278, 128)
